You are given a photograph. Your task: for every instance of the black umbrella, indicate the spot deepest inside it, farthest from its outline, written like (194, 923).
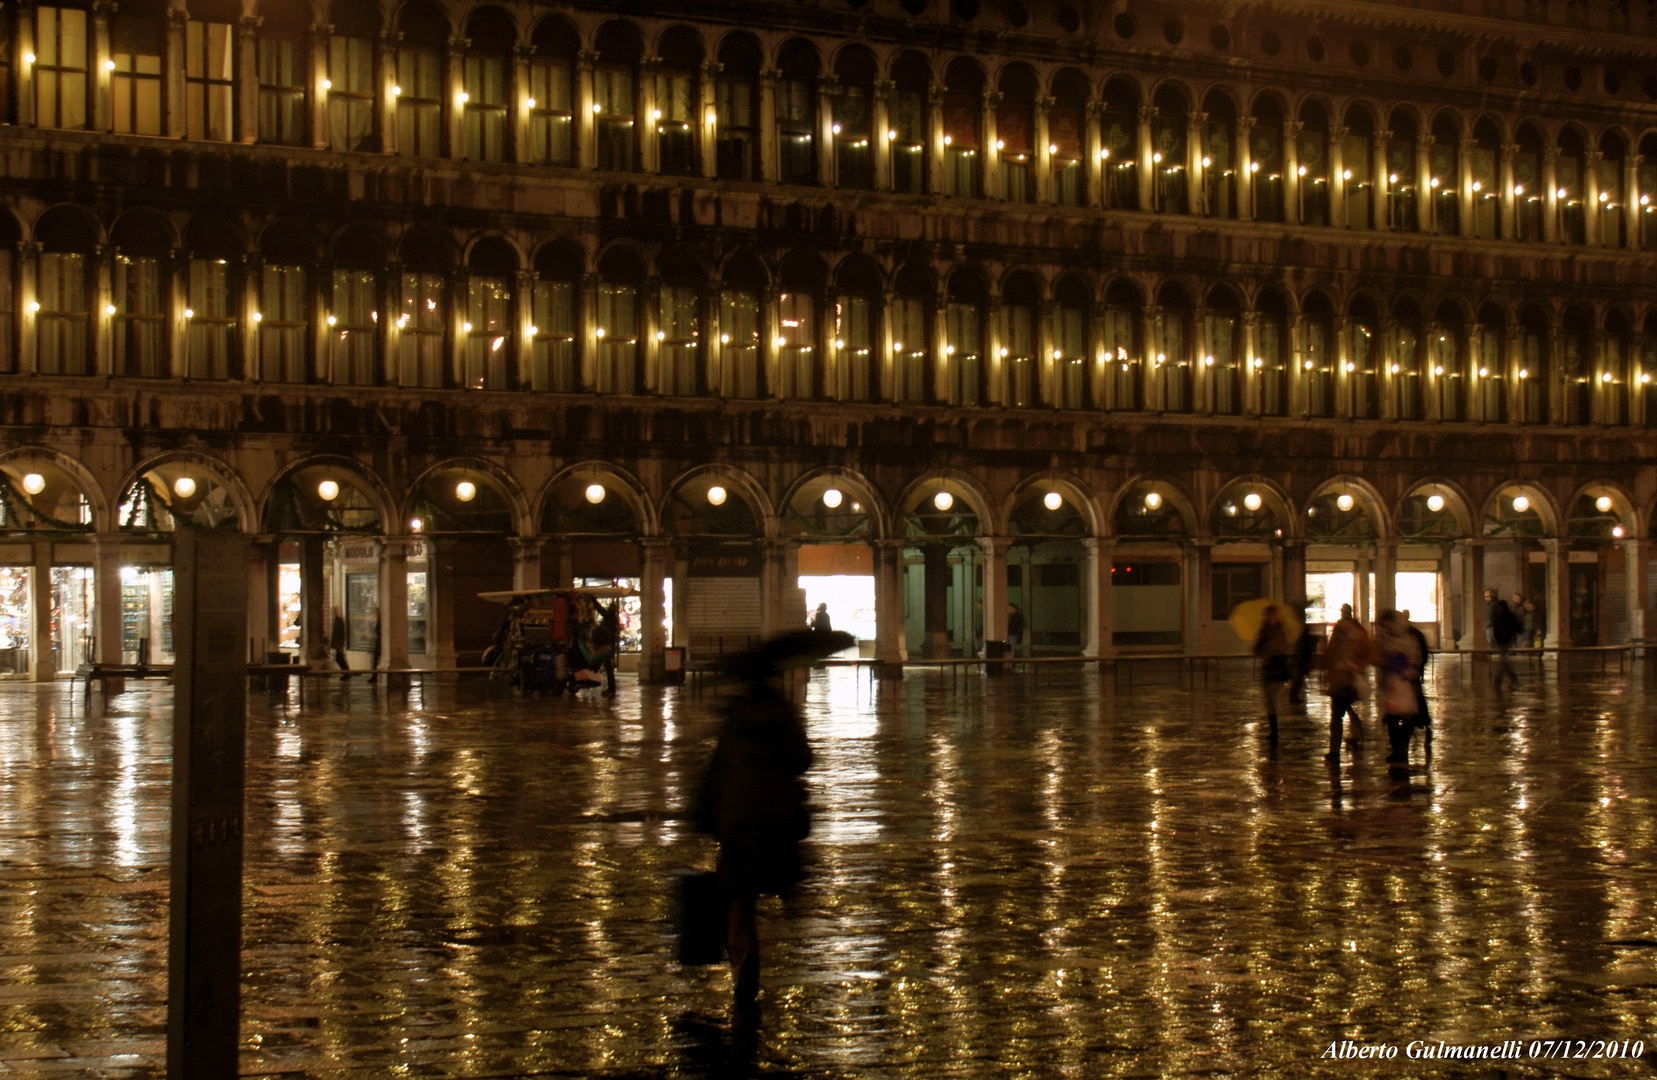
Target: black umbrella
(787, 650)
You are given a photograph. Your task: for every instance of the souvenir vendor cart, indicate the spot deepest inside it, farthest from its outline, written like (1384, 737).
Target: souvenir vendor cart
(553, 640)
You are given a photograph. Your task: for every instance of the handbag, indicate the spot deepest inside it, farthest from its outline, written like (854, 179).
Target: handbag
(701, 922)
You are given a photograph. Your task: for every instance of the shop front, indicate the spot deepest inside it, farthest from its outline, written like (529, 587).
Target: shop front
(593, 531)
(716, 590)
(1048, 574)
(48, 594)
(944, 567)
(829, 521)
(1151, 610)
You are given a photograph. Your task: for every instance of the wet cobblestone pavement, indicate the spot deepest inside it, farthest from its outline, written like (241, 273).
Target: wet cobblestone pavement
(1019, 879)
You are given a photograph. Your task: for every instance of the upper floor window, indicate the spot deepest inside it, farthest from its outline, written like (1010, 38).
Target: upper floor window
(1444, 177)
(1219, 157)
(1119, 340)
(676, 103)
(420, 83)
(963, 361)
(1484, 164)
(487, 79)
(1274, 352)
(1358, 168)
(1319, 354)
(552, 94)
(797, 345)
(209, 80)
(488, 330)
(284, 65)
(210, 320)
(853, 125)
(1406, 348)
(1170, 179)
(63, 320)
(1401, 174)
(616, 345)
(140, 319)
(963, 112)
(422, 326)
(1172, 361)
(908, 111)
(1363, 361)
(1266, 160)
(855, 322)
(680, 328)
(796, 102)
(1070, 345)
(1067, 138)
(60, 67)
(283, 323)
(1020, 342)
(1535, 367)
(1571, 178)
(1219, 361)
(353, 327)
(911, 331)
(1491, 369)
(1120, 134)
(1447, 367)
(1312, 154)
(351, 89)
(136, 45)
(739, 340)
(1015, 134)
(736, 106)
(615, 92)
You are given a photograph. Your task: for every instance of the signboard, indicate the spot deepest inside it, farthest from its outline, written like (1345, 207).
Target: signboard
(726, 560)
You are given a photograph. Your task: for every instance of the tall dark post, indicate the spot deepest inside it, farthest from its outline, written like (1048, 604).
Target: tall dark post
(209, 755)
(936, 588)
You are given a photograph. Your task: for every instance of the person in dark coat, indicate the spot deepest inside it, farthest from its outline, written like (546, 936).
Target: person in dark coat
(1423, 719)
(753, 802)
(820, 620)
(336, 642)
(1271, 645)
(1015, 629)
(1305, 660)
(1504, 633)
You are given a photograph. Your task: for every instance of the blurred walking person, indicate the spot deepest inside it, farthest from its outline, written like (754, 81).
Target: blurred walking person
(1504, 634)
(1271, 646)
(1304, 660)
(1349, 653)
(1423, 717)
(1399, 665)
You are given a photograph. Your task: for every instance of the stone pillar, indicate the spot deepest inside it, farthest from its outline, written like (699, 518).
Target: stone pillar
(385, 106)
(1196, 184)
(1094, 163)
(1101, 610)
(936, 601)
(523, 143)
(440, 608)
(768, 171)
(586, 126)
(24, 46)
(260, 600)
(1386, 583)
(1364, 595)
(172, 67)
(1507, 224)
(1591, 205)
(98, 48)
(935, 131)
(42, 666)
(1559, 592)
(1631, 210)
(394, 602)
(1199, 597)
(1293, 585)
(1042, 155)
(989, 150)
(1465, 201)
(828, 146)
(1294, 175)
(995, 587)
(707, 118)
(106, 591)
(1635, 570)
(526, 563)
(247, 78)
(1337, 176)
(778, 592)
(454, 109)
(313, 620)
(316, 102)
(880, 144)
(655, 551)
(1550, 196)
(647, 122)
(103, 298)
(889, 601)
(1424, 190)
(1472, 585)
(1147, 168)
(1381, 204)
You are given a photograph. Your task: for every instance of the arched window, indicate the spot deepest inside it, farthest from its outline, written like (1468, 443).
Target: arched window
(351, 75)
(137, 42)
(1363, 358)
(1535, 366)
(63, 290)
(1446, 353)
(740, 327)
(1571, 180)
(912, 307)
(796, 105)
(1611, 199)
(676, 102)
(620, 275)
(1492, 365)
(1273, 355)
(907, 115)
(1219, 156)
(800, 282)
(353, 315)
(1487, 180)
(420, 82)
(854, 70)
(1406, 347)
(555, 359)
(680, 351)
(1222, 345)
(1120, 132)
(963, 113)
(1067, 137)
(140, 291)
(1072, 300)
(1319, 355)
(1266, 159)
(1577, 358)
(423, 321)
(210, 70)
(1021, 358)
(1529, 186)
(284, 48)
(491, 349)
(1169, 189)
(615, 94)
(552, 93)
(1444, 156)
(1358, 167)
(1312, 150)
(964, 338)
(1124, 359)
(62, 52)
(487, 77)
(284, 315)
(210, 316)
(1015, 129)
(1172, 361)
(1617, 352)
(1646, 203)
(857, 290)
(1401, 178)
(737, 108)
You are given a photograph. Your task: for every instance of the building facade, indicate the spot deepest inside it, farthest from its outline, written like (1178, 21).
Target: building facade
(1116, 313)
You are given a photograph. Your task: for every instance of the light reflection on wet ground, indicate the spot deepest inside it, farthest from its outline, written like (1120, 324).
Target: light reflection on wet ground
(1032, 879)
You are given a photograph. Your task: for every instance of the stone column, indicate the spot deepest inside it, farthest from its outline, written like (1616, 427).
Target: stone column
(935, 131)
(523, 143)
(880, 145)
(385, 106)
(1293, 585)
(776, 591)
(1507, 224)
(889, 602)
(454, 109)
(1559, 592)
(989, 150)
(103, 298)
(1424, 190)
(1196, 184)
(1635, 563)
(936, 601)
(1381, 204)
(1465, 200)
(656, 551)
(526, 563)
(1550, 197)
(768, 171)
(260, 600)
(316, 102)
(106, 590)
(1147, 167)
(394, 551)
(647, 122)
(1150, 372)
(1042, 155)
(1386, 583)
(25, 46)
(828, 147)
(172, 66)
(42, 667)
(440, 607)
(313, 622)
(247, 78)
(1293, 174)
(995, 587)
(1631, 210)
(707, 121)
(1093, 162)
(1591, 205)
(1472, 586)
(1337, 176)
(586, 127)
(102, 91)
(1199, 596)
(1101, 611)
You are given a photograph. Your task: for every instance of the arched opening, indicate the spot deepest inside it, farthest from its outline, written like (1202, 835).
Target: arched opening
(48, 613)
(284, 65)
(1266, 159)
(1072, 350)
(486, 78)
(963, 361)
(210, 63)
(1444, 177)
(1645, 207)
(555, 359)
(1615, 375)
(1358, 167)
(855, 72)
(592, 531)
(1067, 136)
(1577, 359)
(1342, 528)
(963, 107)
(423, 324)
(288, 260)
(908, 118)
(10, 234)
(1015, 133)
(1247, 523)
(64, 286)
(1124, 356)
(737, 107)
(1020, 349)
(1171, 359)
(467, 522)
(943, 570)
(1570, 174)
(1406, 347)
(554, 46)
(1147, 575)
(796, 94)
(1170, 178)
(1487, 187)
(141, 291)
(421, 84)
(679, 347)
(351, 79)
(1119, 130)
(801, 281)
(1516, 561)
(1431, 519)
(213, 286)
(353, 313)
(616, 353)
(1535, 365)
(1611, 200)
(1223, 350)
(1048, 573)
(1647, 375)
(678, 89)
(1447, 360)
(1273, 354)
(1490, 355)
(1599, 520)
(1402, 178)
(830, 521)
(491, 319)
(914, 296)
(1529, 185)
(615, 96)
(1320, 355)
(857, 299)
(137, 44)
(1363, 358)
(744, 282)
(715, 592)
(1312, 149)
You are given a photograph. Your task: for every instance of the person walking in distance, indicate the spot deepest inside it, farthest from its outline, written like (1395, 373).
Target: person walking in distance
(1015, 629)
(1350, 651)
(1423, 718)
(753, 801)
(820, 620)
(336, 643)
(1305, 660)
(1504, 633)
(1400, 670)
(1271, 646)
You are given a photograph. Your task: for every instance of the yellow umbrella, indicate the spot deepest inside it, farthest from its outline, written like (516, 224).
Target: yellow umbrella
(1247, 618)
